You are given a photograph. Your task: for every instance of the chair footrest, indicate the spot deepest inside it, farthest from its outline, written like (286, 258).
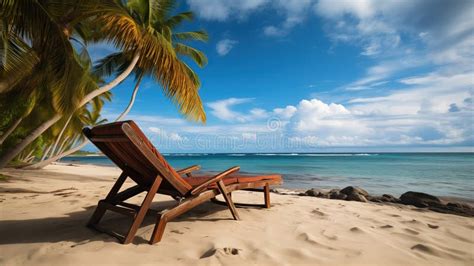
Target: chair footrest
(216, 201)
(118, 209)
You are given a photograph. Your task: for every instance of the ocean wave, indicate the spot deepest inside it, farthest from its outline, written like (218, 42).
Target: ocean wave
(336, 154)
(276, 154)
(186, 154)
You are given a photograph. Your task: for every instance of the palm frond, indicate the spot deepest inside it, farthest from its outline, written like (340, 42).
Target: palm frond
(197, 56)
(110, 64)
(199, 35)
(176, 20)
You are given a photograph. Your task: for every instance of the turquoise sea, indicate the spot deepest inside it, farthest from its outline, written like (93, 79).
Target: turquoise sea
(441, 174)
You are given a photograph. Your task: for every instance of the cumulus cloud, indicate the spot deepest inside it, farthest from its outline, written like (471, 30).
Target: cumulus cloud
(317, 122)
(394, 122)
(285, 113)
(224, 46)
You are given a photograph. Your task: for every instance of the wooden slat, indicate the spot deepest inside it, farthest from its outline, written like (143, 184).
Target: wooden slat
(149, 156)
(118, 209)
(129, 205)
(128, 193)
(109, 139)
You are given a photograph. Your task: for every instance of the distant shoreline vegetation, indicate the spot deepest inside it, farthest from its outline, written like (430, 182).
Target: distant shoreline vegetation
(86, 153)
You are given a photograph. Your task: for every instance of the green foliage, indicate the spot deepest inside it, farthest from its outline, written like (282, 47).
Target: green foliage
(147, 27)
(4, 178)
(45, 67)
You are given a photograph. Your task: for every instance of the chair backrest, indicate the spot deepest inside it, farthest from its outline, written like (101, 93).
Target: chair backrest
(126, 145)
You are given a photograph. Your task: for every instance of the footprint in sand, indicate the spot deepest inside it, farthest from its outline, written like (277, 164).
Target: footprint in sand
(330, 237)
(387, 226)
(177, 232)
(224, 251)
(356, 230)
(310, 239)
(411, 231)
(435, 252)
(411, 222)
(317, 212)
(432, 226)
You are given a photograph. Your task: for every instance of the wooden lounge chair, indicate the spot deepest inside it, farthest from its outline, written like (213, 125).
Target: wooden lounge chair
(126, 145)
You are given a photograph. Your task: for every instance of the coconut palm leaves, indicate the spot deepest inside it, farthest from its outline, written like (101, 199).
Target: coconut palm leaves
(43, 50)
(38, 34)
(145, 27)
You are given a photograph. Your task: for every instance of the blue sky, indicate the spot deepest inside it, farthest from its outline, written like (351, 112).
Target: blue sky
(321, 76)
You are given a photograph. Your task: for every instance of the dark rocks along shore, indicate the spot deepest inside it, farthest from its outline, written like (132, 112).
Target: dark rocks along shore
(417, 199)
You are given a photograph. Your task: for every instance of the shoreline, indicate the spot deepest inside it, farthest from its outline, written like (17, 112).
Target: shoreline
(44, 214)
(445, 198)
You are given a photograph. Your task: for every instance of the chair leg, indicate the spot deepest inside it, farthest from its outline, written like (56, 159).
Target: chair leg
(266, 192)
(143, 210)
(100, 210)
(228, 199)
(169, 214)
(159, 229)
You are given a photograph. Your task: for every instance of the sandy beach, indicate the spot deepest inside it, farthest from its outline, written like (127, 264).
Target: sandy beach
(43, 215)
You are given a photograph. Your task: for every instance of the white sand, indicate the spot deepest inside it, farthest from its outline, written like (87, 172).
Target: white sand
(49, 228)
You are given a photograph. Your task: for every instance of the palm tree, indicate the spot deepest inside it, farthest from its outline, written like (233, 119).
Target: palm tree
(37, 56)
(165, 23)
(129, 33)
(71, 138)
(119, 61)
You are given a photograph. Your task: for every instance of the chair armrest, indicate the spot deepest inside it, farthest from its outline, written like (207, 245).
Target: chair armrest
(215, 179)
(187, 171)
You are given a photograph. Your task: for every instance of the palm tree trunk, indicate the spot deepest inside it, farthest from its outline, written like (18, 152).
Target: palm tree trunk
(112, 84)
(52, 159)
(57, 157)
(12, 153)
(60, 150)
(132, 99)
(10, 130)
(60, 136)
(46, 153)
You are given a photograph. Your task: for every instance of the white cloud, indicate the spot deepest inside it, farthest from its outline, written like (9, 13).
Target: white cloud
(377, 26)
(326, 120)
(222, 10)
(294, 12)
(285, 113)
(331, 9)
(224, 46)
(167, 136)
(433, 92)
(273, 31)
(222, 109)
